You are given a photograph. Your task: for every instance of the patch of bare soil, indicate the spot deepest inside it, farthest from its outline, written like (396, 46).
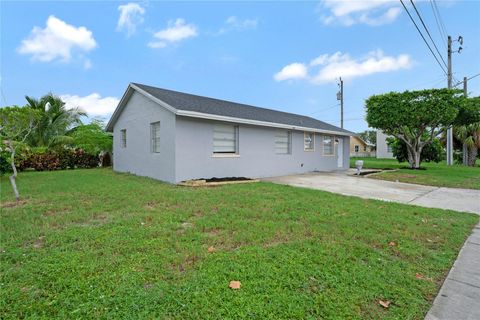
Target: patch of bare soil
(13, 204)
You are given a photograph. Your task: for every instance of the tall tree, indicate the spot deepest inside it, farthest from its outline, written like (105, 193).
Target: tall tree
(369, 136)
(415, 117)
(92, 138)
(55, 121)
(16, 126)
(467, 129)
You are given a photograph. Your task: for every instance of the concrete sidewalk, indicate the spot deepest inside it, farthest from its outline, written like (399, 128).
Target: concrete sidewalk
(459, 297)
(466, 200)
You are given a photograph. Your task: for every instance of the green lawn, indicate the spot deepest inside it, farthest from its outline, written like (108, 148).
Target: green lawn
(436, 174)
(96, 244)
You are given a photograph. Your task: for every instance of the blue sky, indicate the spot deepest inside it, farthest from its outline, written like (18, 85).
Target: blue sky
(280, 55)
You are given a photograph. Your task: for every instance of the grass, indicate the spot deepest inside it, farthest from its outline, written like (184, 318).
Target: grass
(97, 244)
(435, 174)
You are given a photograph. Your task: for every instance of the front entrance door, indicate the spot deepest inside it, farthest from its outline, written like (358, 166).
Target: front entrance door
(340, 153)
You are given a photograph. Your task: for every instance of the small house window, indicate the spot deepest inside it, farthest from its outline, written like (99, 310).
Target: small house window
(389, 149)
(123, 136)
(225, 138)
(309, 141)
(357, 148)
(155, 137)
(283, 142)
(365, 148)
(328, 148)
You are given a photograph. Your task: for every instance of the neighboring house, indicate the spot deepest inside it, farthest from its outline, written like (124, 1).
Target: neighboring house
(174, 136)
(360, 148)
(384, 151)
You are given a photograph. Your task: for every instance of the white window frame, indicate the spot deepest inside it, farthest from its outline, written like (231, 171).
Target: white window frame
(332, 141)
(289, 141)
(155, 137)
(389, 148)
(234, 153)
(356, 148)
(123, 138)
(312, 141)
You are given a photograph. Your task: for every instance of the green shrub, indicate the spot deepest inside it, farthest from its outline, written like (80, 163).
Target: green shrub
(60, 158)
(432, 151)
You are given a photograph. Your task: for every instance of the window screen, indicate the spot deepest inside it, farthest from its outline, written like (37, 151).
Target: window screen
(328, 145)
(155, 137)
(225, 138)
(283, 140)
(123, 135)
(309, 141)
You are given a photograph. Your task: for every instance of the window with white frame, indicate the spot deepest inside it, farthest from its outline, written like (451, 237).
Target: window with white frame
(309, 141)
(123, 137)
(389, 148)
(155, 137)
(328, 148)
(357, 148)
(225, 139)
(283, 142)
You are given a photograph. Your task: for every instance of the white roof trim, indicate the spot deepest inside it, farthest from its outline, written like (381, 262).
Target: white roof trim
(200, 115)
(194, 114)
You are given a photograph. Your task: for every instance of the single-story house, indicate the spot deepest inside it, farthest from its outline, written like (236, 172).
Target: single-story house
(384, 151)
(360, 148)
(174, 136)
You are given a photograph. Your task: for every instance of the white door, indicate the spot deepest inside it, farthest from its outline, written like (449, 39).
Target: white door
(340, 153)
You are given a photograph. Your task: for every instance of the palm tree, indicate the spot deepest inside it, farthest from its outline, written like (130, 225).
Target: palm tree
(55, 121)
(470, 137)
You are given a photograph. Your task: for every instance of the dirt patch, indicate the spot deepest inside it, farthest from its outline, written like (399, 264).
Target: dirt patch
(212, 182)
(39, 243)
(13, 204)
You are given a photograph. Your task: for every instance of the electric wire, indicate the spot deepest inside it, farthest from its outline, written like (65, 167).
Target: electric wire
(437, 20)
(428, 32)
(421, 34)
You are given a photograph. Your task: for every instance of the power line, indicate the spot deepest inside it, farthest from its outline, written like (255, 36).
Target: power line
(428, 32)
(325, 109)
(421, 34)
(445, 33)
(437, 20)
(460, 82)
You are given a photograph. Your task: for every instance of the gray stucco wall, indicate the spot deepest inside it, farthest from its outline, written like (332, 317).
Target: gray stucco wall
(257, 157)
(382, 148)
(137, 157)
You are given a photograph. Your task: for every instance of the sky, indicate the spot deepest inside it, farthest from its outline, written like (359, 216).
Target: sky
(281, 55)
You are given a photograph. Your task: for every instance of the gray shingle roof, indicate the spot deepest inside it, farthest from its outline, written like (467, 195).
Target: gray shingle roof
(190, 102)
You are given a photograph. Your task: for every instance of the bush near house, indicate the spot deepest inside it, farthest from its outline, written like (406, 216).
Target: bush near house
(42, 159)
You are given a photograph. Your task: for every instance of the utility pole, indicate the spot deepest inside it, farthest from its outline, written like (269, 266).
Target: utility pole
(465, 149)
(449, 129)
(449, 79)
(340, 97)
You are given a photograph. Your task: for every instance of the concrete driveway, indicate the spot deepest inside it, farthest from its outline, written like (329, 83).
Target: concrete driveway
(466, 200)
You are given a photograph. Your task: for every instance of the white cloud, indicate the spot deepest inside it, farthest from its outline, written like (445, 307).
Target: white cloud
(130, 16)
(57, 41)
(327, 68)
(94, 105)
(350, 12)
(176, 31)
(292, 71)
(236, 24)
